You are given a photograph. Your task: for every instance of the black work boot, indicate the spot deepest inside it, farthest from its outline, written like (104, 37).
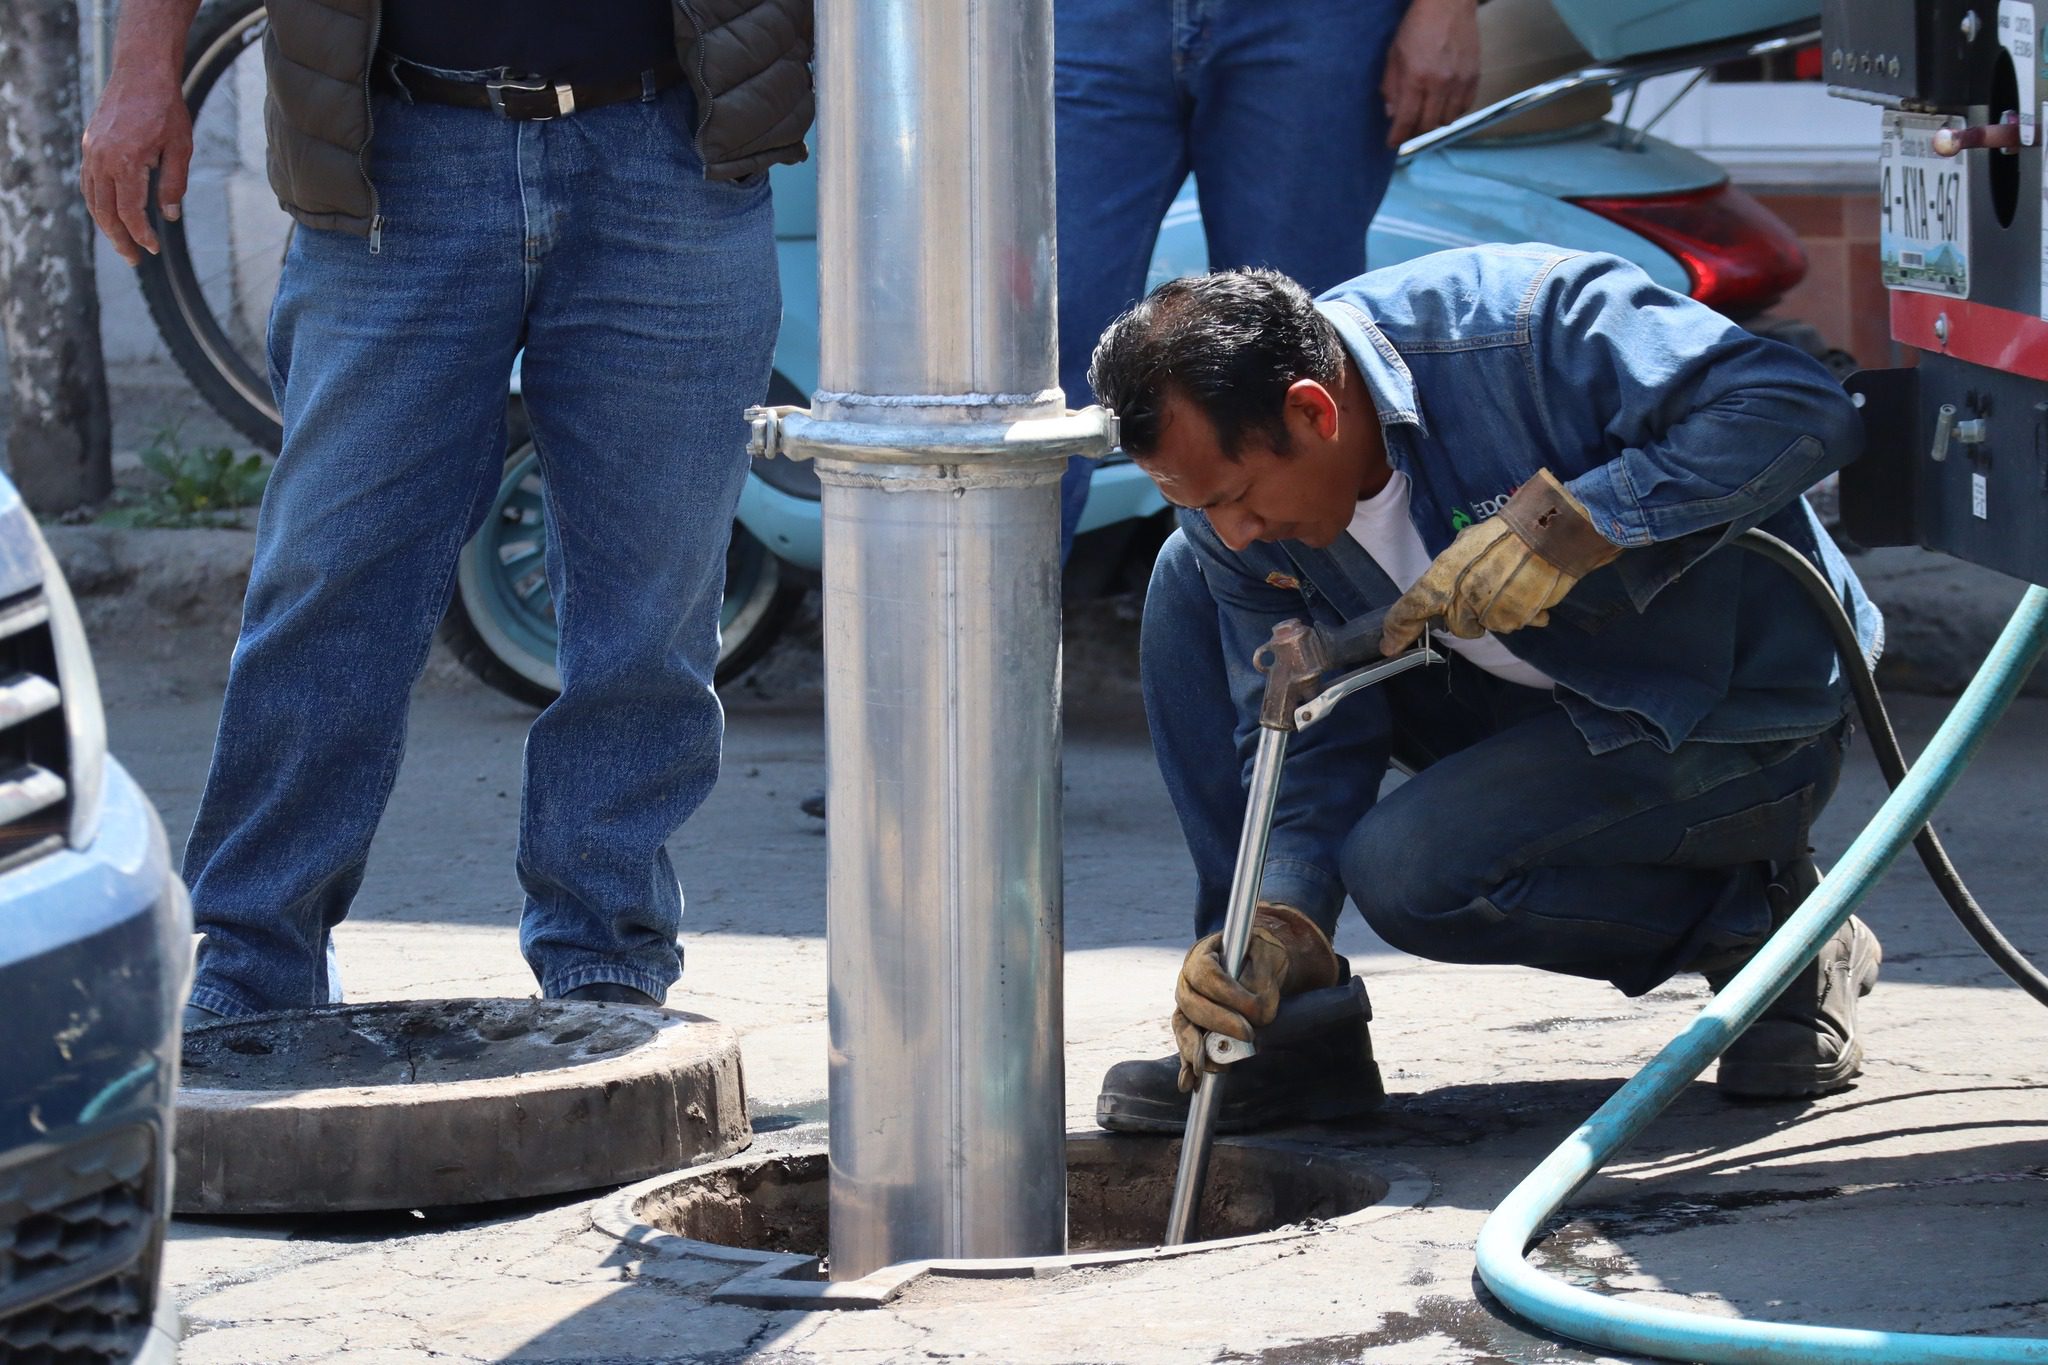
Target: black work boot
(1332, 1078)
(1805, 1042)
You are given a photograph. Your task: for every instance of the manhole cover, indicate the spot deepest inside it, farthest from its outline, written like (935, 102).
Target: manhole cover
(401, 1104)
(771, 1214)
(462, 1040)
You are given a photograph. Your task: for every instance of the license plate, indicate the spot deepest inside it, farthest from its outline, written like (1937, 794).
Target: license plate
(1923, 208)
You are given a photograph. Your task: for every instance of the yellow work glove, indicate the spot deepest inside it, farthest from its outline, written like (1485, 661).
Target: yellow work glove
(1288, 954)
(1506, 572)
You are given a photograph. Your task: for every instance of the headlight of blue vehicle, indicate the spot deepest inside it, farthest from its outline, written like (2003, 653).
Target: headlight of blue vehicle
(53, 734)
(95, 938)
(85, 723)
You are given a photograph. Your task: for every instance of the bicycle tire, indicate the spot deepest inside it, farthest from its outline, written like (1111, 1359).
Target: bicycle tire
(221, 32)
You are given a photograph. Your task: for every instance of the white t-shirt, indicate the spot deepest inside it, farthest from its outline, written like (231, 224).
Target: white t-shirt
(1382, 526)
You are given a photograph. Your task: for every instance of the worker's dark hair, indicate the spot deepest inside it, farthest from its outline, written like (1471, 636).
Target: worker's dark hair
(1231, 342)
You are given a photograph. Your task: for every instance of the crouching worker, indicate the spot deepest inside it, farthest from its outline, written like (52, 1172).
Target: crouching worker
(1548, 455)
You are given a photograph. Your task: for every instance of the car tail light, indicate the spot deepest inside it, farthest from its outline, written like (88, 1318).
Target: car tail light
(1740, 256)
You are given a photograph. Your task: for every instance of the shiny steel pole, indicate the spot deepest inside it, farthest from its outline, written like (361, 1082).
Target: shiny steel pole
(1263, 791)
(940, 433)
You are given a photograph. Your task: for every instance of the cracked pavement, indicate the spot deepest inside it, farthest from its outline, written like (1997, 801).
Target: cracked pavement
(1916, 1201)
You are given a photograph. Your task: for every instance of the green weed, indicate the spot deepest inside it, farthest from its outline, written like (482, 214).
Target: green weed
(195, 486)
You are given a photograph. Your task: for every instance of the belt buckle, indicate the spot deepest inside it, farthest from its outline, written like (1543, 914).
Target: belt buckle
(565, 97)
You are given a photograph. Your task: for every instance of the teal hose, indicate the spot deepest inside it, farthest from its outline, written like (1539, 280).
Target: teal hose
(1511, 1229)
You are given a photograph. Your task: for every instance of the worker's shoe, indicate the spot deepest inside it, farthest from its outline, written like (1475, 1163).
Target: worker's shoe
(195, 1015)
(1806, 1042)
(1335, 1078)
(612, 993)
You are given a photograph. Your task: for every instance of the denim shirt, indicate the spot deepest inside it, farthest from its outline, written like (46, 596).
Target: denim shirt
(1676, 428)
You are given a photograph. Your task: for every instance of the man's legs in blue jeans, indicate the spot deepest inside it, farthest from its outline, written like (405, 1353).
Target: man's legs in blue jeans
(392, 370)
(1275, 108)
(1288, 135)
(1120, 154)
(651, 326)
(1626, 866)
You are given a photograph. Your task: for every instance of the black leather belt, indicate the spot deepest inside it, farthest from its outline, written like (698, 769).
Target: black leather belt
(524, 98)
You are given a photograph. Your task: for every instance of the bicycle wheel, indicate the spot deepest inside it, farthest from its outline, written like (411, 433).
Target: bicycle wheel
(209, 288)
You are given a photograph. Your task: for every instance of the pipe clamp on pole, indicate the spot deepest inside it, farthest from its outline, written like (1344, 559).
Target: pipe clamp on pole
(795, 434)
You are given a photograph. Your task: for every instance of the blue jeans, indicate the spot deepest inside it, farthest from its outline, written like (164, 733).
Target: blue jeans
(1275, 108)
(1511, 843)
(646, 300)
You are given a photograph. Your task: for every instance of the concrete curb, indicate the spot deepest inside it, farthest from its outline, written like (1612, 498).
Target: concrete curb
(162, 607)
(156, 579)
(176, 596)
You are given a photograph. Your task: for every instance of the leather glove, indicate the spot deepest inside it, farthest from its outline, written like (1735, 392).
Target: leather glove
(1287, 955)
(1506, 572)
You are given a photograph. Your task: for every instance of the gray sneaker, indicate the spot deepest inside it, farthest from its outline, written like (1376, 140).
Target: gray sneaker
(1805, 1043)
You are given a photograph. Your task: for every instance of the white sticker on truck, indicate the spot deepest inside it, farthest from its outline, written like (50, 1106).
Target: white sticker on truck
(2017, 35)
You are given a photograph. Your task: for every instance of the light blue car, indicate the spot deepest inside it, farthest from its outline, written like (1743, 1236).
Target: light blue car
(95, 951)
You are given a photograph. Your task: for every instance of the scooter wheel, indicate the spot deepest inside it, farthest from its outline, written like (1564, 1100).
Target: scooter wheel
(500, 622)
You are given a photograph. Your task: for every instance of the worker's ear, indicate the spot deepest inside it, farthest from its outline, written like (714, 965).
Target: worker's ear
(1311, 405)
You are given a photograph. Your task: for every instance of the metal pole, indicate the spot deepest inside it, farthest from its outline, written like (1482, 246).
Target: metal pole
(940, 433)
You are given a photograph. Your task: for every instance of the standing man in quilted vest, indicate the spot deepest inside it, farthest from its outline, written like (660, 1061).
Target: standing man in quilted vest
(470, 179)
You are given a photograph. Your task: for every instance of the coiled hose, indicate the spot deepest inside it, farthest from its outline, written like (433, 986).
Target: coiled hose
(1512, 1227)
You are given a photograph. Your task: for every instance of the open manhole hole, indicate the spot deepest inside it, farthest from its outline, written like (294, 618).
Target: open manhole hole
(773, 1214)
(404, 1104)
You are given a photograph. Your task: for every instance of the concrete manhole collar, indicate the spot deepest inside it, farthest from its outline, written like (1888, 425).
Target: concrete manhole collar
(770, 1215)
(404, 1104)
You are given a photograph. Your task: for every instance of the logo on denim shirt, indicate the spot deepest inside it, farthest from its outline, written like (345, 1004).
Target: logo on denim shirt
(1460, 518)
(1281, 580)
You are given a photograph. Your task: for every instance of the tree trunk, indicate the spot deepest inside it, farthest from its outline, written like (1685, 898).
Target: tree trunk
(59, 439)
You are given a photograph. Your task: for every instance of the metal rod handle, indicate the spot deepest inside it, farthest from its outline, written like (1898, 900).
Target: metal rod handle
(1320, 705)
(1237, 936)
